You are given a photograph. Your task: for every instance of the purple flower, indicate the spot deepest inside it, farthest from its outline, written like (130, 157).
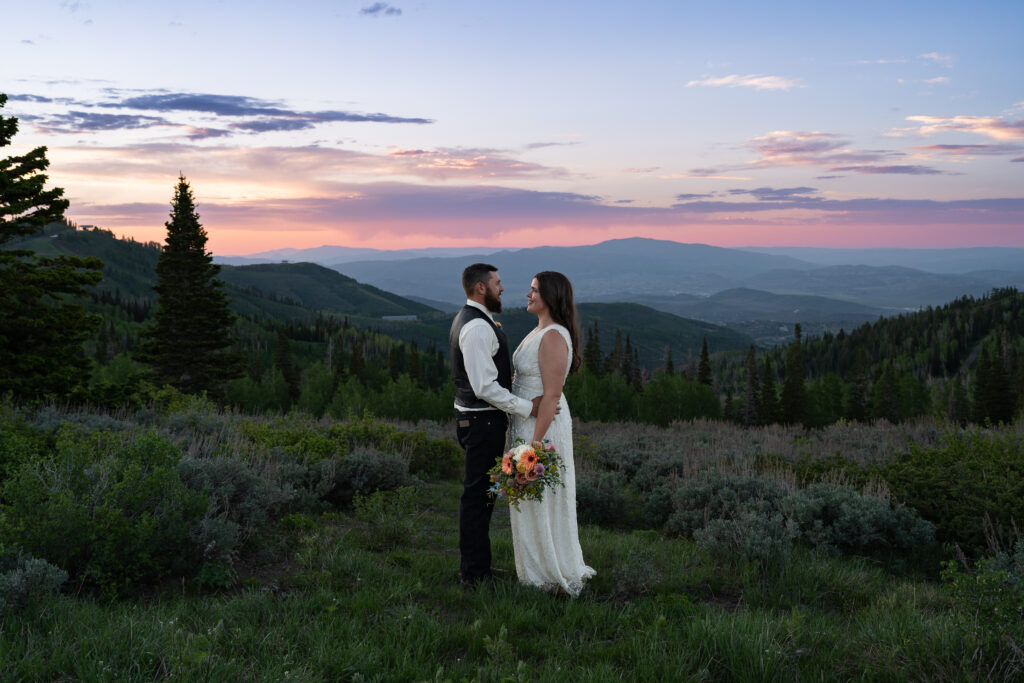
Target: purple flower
(539, 468)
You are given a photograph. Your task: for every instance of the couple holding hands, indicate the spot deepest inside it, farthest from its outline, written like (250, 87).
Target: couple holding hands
(494, 408)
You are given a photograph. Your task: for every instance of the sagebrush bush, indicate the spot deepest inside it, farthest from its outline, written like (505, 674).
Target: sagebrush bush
(757, 535)
(24, 579)
(833, 516)
(760, 518)
(365, 470)
(721, 496)
(436, 458)
(635, 576)
(107, 507)
(242, 505)
(600, 498)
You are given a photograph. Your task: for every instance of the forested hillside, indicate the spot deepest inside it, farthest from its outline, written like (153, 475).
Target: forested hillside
(963, 360)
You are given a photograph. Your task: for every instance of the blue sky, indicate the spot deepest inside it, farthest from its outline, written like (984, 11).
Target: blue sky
(514, 124)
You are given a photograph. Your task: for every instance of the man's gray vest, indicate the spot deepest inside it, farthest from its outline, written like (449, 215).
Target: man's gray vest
(464, 396)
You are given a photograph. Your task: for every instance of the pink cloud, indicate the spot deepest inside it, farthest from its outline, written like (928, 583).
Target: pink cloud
(989, 126)
(755, 81)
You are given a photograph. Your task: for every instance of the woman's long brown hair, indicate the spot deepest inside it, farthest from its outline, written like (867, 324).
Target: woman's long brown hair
(556, 291)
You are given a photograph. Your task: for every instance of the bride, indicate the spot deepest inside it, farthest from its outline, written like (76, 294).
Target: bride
(544, 533)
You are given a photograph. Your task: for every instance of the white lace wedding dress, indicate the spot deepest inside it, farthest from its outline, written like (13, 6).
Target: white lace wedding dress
(544, 533)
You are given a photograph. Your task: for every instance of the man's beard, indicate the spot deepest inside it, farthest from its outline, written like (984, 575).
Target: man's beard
(492, 303)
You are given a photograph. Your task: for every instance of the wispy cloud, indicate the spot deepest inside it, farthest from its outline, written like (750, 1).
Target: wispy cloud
(989, 126)
(240, 105)
(880, 61)
(778, 194)
(971, 150)
(301, 166)
(755, 81)
(898, 169)
(89, 122)
(381, 9)
(941, 80)
(936, 58)
(240, 113)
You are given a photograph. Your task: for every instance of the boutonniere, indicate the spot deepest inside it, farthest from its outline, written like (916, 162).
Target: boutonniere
(497, 324)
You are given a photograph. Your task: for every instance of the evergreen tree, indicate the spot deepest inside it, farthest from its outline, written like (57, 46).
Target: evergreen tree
(357, 363)
(857, 403)
(794, 393)
(768, 405)
(670, 367)
(592, 351)
(626, 366)
(283, 362)
(704, 365)
(613, 362)
(414, 364)
(751, 390)
(885, 395)
(189, 346)
(42, 323)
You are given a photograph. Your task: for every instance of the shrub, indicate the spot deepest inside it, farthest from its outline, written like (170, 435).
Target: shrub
(19, 442)
(24, 579)
(990, 604)
(242, 505)
(840, 517)
(109, 508)
(958, 483)
(431, 457)
(635, 576)
(304, 442)
(658, 505)
(599, 497)
(389, 515)
(362, 471)
(719, 496)
(758, 535)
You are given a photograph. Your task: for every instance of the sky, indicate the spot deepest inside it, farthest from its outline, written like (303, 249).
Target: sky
(515, 124)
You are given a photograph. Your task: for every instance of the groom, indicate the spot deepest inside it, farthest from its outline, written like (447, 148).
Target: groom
(482, 372)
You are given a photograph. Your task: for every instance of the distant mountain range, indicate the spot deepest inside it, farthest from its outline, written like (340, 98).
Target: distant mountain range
(960, 261)
(334, 255)
(302, 291)
(653, 271)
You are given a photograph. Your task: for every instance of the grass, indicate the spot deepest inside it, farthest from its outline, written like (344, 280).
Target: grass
(358, 598)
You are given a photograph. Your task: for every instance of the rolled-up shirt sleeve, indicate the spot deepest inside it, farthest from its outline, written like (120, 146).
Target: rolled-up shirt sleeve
(478, 344)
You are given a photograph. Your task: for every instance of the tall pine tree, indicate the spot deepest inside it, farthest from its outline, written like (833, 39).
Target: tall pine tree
(751, 390)
(42, 325)
(794, 394)
(189, 346)
(704, 365)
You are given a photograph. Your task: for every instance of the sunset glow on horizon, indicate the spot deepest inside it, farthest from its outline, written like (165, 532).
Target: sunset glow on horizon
(457, 124)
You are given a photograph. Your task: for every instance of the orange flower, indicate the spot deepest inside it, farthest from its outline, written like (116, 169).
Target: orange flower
(506, 464)
(530, 458)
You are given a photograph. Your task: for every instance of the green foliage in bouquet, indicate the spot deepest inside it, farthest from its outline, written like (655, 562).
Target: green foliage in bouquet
(109, 508)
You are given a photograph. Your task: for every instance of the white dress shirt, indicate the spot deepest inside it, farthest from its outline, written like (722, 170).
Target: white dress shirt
(478, 344)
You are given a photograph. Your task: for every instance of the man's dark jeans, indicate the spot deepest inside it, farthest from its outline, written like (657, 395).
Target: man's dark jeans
(482, 435)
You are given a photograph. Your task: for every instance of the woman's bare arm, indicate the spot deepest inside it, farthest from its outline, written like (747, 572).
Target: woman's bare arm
(553, 358)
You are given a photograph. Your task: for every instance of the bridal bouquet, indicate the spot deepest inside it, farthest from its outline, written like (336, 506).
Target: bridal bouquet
(525, 471)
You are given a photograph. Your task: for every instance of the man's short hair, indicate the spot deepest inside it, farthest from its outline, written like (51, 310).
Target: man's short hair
(478, 272)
